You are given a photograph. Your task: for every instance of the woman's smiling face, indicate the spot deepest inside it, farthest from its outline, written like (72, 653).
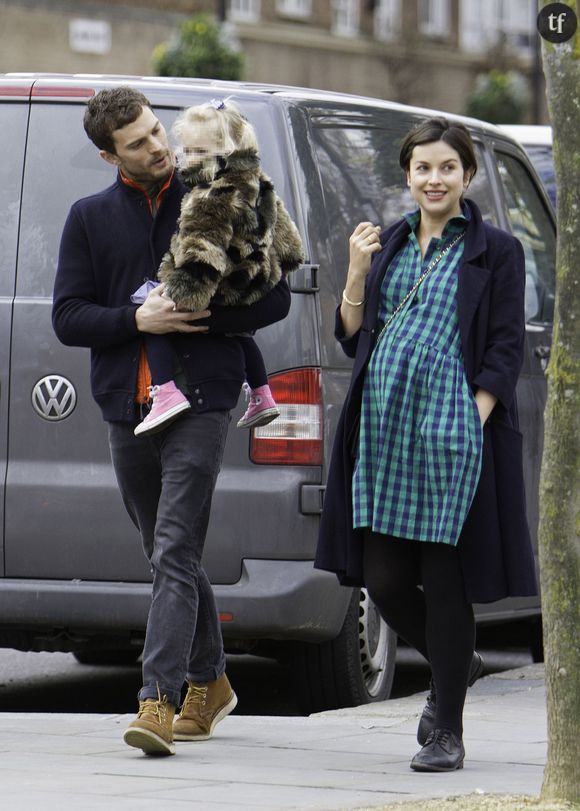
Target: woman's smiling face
(437, 180)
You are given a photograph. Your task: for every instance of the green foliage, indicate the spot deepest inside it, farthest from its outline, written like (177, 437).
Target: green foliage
(500, 97)
(200, 50)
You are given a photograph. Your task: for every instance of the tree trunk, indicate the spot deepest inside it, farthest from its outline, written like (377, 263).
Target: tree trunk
(559, 534)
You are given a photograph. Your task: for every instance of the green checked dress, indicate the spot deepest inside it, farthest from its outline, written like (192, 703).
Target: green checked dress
(420, 437)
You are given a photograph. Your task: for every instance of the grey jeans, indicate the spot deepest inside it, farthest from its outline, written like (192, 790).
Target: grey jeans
(167, 481)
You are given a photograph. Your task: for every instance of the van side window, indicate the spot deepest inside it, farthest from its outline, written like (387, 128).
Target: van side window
(59, 170)
(480, 190)
(13, 119)
(361, 178)
(532, 225)
(543, 162)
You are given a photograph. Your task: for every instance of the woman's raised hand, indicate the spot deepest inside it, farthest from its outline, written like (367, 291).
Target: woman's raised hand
(363, 243)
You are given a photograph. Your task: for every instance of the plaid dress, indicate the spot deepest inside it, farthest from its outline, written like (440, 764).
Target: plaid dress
(420, 442)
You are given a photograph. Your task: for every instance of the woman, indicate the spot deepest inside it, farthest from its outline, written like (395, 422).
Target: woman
(425, 485)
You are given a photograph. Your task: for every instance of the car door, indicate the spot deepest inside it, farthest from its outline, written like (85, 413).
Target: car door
(13, 125)
(531, 220)
(63, 516)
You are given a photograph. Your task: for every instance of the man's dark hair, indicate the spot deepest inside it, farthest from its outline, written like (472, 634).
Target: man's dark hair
(111, 110)
(453, 134)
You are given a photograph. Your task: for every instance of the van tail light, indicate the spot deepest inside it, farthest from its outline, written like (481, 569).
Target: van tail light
(295, 437)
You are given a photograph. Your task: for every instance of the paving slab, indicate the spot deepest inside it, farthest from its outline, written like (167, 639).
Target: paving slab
(335, 761)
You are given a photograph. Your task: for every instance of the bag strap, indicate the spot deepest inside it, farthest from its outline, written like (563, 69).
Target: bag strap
(419, 282)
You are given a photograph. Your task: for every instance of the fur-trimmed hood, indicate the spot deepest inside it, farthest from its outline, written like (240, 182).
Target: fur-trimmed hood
(234, 238)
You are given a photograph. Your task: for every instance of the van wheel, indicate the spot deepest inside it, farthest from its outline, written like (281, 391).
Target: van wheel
(355, 668)
(107, 657)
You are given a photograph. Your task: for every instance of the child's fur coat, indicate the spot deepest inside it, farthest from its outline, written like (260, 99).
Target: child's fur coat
(234, 238)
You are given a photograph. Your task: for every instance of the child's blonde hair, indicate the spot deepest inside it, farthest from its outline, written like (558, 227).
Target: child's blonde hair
(233, 131)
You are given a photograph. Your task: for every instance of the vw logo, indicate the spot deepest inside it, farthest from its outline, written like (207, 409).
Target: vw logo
(54, 397)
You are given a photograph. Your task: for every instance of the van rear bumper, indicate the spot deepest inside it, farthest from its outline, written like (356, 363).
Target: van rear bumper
(274, 599)
(288, 599)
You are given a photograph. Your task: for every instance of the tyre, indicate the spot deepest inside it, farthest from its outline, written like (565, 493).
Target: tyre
(107, 657)
(355, 668)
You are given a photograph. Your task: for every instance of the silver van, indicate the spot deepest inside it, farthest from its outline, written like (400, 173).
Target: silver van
(72, 573)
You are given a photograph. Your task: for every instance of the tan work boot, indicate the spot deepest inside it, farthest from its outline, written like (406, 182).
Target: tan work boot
(152, 730)
(205, 706)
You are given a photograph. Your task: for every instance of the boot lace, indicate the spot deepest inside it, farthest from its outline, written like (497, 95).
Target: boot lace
(157, 707)
(195, 695)
(441, 736)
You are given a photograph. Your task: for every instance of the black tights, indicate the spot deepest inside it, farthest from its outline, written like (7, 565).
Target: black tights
(437, 621)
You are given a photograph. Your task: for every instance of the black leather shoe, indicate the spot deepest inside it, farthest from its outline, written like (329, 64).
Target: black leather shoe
(443, 752)
(427, 720)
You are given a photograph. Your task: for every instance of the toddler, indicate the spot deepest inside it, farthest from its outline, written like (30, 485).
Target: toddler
(234, 242)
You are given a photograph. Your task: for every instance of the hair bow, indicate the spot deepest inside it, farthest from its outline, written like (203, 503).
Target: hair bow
(217, 104)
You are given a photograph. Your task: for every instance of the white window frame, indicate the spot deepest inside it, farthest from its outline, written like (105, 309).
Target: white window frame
(517, 22)
(474, 25)
(244, 11)
(438, 23)
(301, 9)
(345, 17)
(387, 19)
(482, 24)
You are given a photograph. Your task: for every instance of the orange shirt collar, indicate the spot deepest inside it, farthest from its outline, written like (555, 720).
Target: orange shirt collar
(160, 194)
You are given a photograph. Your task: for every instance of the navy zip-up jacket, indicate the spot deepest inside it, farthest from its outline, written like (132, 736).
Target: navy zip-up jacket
(110, 244)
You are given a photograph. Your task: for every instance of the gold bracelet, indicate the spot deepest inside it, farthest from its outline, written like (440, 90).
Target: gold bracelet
(352, 303)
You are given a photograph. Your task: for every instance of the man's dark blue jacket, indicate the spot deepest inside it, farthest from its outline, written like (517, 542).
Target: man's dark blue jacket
(110, 244)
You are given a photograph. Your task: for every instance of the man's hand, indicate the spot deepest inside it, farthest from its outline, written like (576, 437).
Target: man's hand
(158, 315)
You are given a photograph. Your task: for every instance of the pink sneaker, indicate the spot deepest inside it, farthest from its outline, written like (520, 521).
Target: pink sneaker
(168, 403)
(262, 408)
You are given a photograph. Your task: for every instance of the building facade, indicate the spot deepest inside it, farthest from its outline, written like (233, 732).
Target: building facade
(424, 52)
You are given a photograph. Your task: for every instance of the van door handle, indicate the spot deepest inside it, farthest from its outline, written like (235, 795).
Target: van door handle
(311, 499)
(543, 354)
(304, 279)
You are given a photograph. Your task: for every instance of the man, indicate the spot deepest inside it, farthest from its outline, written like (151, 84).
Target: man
(111, 242)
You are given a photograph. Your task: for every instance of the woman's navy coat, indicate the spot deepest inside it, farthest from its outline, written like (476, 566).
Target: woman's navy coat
(494, 545)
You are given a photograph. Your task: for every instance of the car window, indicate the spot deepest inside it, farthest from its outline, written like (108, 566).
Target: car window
(361, 178)
(480, 189)
(63, 166)
(532, 225)
(263, 116)
(543, 161)
(13, 119)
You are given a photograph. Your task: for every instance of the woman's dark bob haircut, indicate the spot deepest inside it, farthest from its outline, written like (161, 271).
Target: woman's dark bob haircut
(440, 129)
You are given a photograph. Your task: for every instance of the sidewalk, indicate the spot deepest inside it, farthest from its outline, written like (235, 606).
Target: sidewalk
(333, 761)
